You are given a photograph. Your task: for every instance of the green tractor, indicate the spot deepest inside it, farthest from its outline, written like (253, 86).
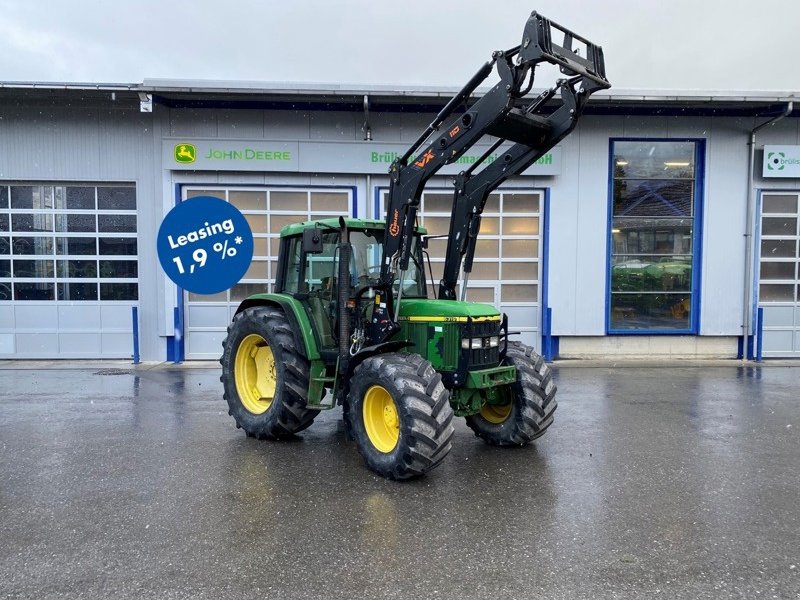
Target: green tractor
(352, 313)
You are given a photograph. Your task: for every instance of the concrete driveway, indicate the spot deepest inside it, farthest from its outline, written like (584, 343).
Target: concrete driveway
(674, 482)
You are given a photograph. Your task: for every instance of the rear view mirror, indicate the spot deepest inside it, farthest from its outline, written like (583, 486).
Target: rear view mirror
(312, 241)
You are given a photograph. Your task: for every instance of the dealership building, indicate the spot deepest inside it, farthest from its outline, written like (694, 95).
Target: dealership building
(666, 225)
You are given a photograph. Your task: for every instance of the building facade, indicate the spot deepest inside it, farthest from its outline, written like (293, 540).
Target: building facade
(650, 231)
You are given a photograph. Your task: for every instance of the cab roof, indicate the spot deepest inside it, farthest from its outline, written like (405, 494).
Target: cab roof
(333, 223)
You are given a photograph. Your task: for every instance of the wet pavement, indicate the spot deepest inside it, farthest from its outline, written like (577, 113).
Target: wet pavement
(653, 482)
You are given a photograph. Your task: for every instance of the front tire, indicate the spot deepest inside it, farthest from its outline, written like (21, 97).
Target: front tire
(398, 411)
(531, 402)
(264, 377)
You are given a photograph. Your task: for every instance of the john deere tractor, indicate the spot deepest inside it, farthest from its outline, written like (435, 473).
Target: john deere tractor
(352, 320)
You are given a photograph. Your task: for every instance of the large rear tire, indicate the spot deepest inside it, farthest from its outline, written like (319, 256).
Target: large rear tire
(264, 377)
(398, 411)
(531, 402)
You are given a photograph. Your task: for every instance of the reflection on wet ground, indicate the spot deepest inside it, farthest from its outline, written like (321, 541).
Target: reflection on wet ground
(681, 481)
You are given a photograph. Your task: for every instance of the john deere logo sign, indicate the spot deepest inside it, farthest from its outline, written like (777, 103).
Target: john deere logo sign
(781, 161)
(185, 153)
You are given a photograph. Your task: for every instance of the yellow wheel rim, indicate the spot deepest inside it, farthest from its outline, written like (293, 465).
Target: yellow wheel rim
(496, 413)
(380, 419)
(254, 373)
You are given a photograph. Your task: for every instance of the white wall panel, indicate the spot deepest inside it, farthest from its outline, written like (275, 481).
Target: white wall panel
(724, 215)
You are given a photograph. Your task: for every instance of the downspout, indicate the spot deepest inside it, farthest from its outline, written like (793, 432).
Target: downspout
(747, 318)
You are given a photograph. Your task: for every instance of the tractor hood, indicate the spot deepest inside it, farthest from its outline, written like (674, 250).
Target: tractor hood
(416, 309)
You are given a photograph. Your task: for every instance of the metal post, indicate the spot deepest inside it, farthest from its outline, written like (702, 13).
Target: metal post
(135, 322)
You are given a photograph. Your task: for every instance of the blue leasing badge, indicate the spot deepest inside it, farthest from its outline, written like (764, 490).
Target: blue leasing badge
(205, 245)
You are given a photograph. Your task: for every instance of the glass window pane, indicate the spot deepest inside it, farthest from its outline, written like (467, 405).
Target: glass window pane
(480, 295)
(780, 203)
(117, 246)
(245, 200)
(525, 203)
(260, 246)
(520, 270)
(5, 291)
(5, 246)
(653, 198)
(72, 290)
(32, 245)
(33, 268)
(76, 223)
(332, 201)
(437, 248)
(213, 193)
(492, 206)
(75, 198)
(241, 291)
(486, 248)
(438, 225)
(778, 248)
(518, 293)
(770, 292)
(651, 273)
(116, 223)
(650, 236)
(650, 311)
(116, 198)
(5, 268)
(22, 196)
(437, 203)
(784, 226)
(485, 270)
(520, 248)
(489, 226)
(3, 222)
(256, 270)
(653, 160)
(778, 270)
(520, 226)
(3, 196)
(277, 222)
(119, 268)
(32, 222)
(77, 268)
(119, 291)
(220, 297)
(294, 201)
(76, 245)
(34, 291)
(258, 223)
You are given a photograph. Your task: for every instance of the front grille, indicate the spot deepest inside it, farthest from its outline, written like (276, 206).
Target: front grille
(482, 357)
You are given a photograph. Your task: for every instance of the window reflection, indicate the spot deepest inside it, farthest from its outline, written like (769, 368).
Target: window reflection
(652, 231)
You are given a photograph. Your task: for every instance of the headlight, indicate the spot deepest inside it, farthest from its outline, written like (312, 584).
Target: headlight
(477, 343)
(494, 341)
(465, 344)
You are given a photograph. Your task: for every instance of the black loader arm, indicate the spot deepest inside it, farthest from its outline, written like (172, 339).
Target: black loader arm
(472, 191)
(450, 135)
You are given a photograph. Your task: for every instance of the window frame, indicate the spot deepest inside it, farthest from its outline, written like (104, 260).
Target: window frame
(697, 236)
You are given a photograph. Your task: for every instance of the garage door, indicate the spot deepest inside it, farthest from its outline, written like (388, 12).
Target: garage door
(506, 269)
(68, 270)
(779, 279)
(267, 210)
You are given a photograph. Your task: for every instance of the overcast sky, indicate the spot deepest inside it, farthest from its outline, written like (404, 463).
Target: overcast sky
(649, 44)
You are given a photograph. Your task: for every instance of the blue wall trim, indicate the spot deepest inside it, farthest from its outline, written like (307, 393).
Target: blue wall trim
(546, 313)
(697, 236)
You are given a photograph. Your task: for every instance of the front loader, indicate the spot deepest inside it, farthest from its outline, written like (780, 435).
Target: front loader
(352, 321)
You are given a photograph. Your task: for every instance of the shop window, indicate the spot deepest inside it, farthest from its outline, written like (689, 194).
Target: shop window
(653, 236)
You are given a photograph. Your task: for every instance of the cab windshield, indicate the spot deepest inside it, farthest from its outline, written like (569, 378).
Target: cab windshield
(365, 265)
